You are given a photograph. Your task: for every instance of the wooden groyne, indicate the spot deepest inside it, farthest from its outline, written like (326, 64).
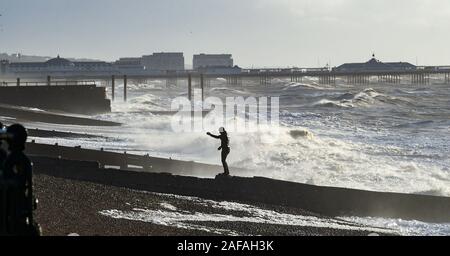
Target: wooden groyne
(127, 161)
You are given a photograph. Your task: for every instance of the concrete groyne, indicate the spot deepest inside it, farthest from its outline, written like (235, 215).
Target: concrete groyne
(80, 99)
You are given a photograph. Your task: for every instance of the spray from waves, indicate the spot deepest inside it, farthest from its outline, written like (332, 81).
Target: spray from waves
(142, 103)
(332, 104)
(366, 98)
(151, 85)
(322, 159)
(226, 91)
(295, 85)
(404, 227)
(334, 162)
(296, 154)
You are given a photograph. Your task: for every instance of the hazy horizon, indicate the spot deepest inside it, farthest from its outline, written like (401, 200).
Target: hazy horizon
(260, 33)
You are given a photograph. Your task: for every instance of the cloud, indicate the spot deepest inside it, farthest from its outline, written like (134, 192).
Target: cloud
(407, 13)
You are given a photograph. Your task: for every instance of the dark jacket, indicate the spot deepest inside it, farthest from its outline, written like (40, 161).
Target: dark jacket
(3, 156)
(224, 141)
(18, 168)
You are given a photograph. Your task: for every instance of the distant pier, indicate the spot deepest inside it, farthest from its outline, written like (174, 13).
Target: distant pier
(264, 76)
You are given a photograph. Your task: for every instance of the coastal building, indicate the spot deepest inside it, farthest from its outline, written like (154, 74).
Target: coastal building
(212, 60)
(18, 57)
(163, 61)
(375, 65)
(56, 65)
(129, 64)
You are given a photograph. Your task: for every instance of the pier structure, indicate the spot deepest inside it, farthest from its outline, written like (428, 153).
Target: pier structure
(420, 75)
(202, 86)
(327, 79)
(189, 87)
(295, 78)
(138, 81)
(389, 79)
(113, 87)
(204, 81)
(420, 78)
(125, 85)
(208, 81)
(265, 79)
(233, 80)
(358, 79)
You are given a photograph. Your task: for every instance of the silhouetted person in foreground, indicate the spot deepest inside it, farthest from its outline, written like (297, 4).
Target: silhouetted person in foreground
(3, 153)
(18, 171)
(224, 146)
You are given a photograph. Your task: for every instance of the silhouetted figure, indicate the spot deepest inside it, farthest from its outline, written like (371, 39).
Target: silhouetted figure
(3, 153)
(224, 146)
(18, 171)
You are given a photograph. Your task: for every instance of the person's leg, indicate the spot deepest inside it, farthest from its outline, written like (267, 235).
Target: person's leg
(224, 161)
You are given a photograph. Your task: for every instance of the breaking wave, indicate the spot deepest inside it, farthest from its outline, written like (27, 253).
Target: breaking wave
(346, 136)
(366, 97)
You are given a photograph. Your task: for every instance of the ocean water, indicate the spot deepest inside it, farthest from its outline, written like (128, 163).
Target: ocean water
(379, 137)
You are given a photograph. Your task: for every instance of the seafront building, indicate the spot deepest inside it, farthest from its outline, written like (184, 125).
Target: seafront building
(129, 64)
(56, 65)
(164, 61)
(375, 65)
(158, 63)
(212, 61)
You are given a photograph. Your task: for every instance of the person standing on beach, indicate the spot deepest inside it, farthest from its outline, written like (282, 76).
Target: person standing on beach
(3, 153)
(18, 169)
(224, 146)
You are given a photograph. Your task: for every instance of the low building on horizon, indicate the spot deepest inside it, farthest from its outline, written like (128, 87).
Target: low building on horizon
(375, 65)
(56, 66)
(212, 61)
(129, 64)
(164, 61)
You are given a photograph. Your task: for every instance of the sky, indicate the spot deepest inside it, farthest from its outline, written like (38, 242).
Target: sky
(259, 33)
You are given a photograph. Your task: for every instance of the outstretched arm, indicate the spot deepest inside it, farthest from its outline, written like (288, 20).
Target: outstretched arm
(212, 135)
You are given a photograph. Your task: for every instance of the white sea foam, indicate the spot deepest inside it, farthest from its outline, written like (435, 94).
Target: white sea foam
(405, 227)
(233, 212)
(375, 139)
